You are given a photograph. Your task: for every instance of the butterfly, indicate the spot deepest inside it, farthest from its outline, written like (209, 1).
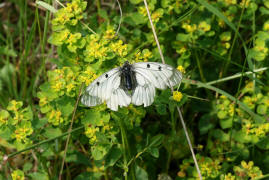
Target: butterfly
(130, 83)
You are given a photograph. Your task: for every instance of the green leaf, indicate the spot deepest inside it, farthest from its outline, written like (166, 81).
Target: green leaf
(226, 123)
(262, 109)
(138, 18)
(140, 173)
(39, 176)
(161, 109)
(51, 132)
(66, 105)
(221, 135)
(156, 140)
(222, 114)
(113, 156)
(91, 117)
(154, 152)
(183, 37)
(263, 143)
(39, 122)
(102, 13)
(241, 136)
(8, 52)
(136, 1)
(98, 152)
(78, 158)
(89, 176)
(204, 124)
(27, 166)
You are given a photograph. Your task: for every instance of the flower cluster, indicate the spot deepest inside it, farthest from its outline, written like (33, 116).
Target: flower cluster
(70, 14)
(17, 120)
(260, 50)
(177, 96)
(244, 171)
(17, 175)
(63, 23)
(63, 83)
(210, 168)
(144, 56)
(225, 108)
(103, 48)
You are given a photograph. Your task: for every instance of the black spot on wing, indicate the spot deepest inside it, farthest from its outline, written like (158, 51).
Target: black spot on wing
(98, 83)
(148, 65)
(160, 68)
(106, 75)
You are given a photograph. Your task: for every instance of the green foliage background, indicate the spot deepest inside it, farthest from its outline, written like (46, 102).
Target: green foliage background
(50, 51)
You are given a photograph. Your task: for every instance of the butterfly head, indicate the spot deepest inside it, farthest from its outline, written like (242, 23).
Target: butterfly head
(126, 67)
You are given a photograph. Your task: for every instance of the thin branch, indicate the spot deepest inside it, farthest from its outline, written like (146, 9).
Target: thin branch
(237, 76)
(69, 130)
(178, 109)
(120, 18)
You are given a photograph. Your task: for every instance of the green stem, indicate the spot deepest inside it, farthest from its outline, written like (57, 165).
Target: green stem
(124, 148)
(234, 40)
(126, 152)
(236, 76)
(199, 67)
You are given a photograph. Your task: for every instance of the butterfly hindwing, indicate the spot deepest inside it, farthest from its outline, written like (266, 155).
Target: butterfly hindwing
(151, 75)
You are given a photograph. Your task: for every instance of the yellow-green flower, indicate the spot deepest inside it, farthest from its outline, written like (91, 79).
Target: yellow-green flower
(55, 117)
(157, 15)
(17, 175)
(4, 115)
(229, 176)
(91, 133)
(181, 69)
(119, 48)
(266, 26)
(230, 2)
(22, 131)
(177, 96)
(189, 28)
(110, 33)
(204, 26)
(14, 105)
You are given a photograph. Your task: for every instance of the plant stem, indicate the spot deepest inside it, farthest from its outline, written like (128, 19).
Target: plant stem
(124, 148)
(236, 76)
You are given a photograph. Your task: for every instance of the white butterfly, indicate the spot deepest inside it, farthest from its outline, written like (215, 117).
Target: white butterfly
(131, 83)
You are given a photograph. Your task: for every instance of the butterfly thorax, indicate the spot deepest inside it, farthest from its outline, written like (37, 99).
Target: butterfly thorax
(128, 80)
